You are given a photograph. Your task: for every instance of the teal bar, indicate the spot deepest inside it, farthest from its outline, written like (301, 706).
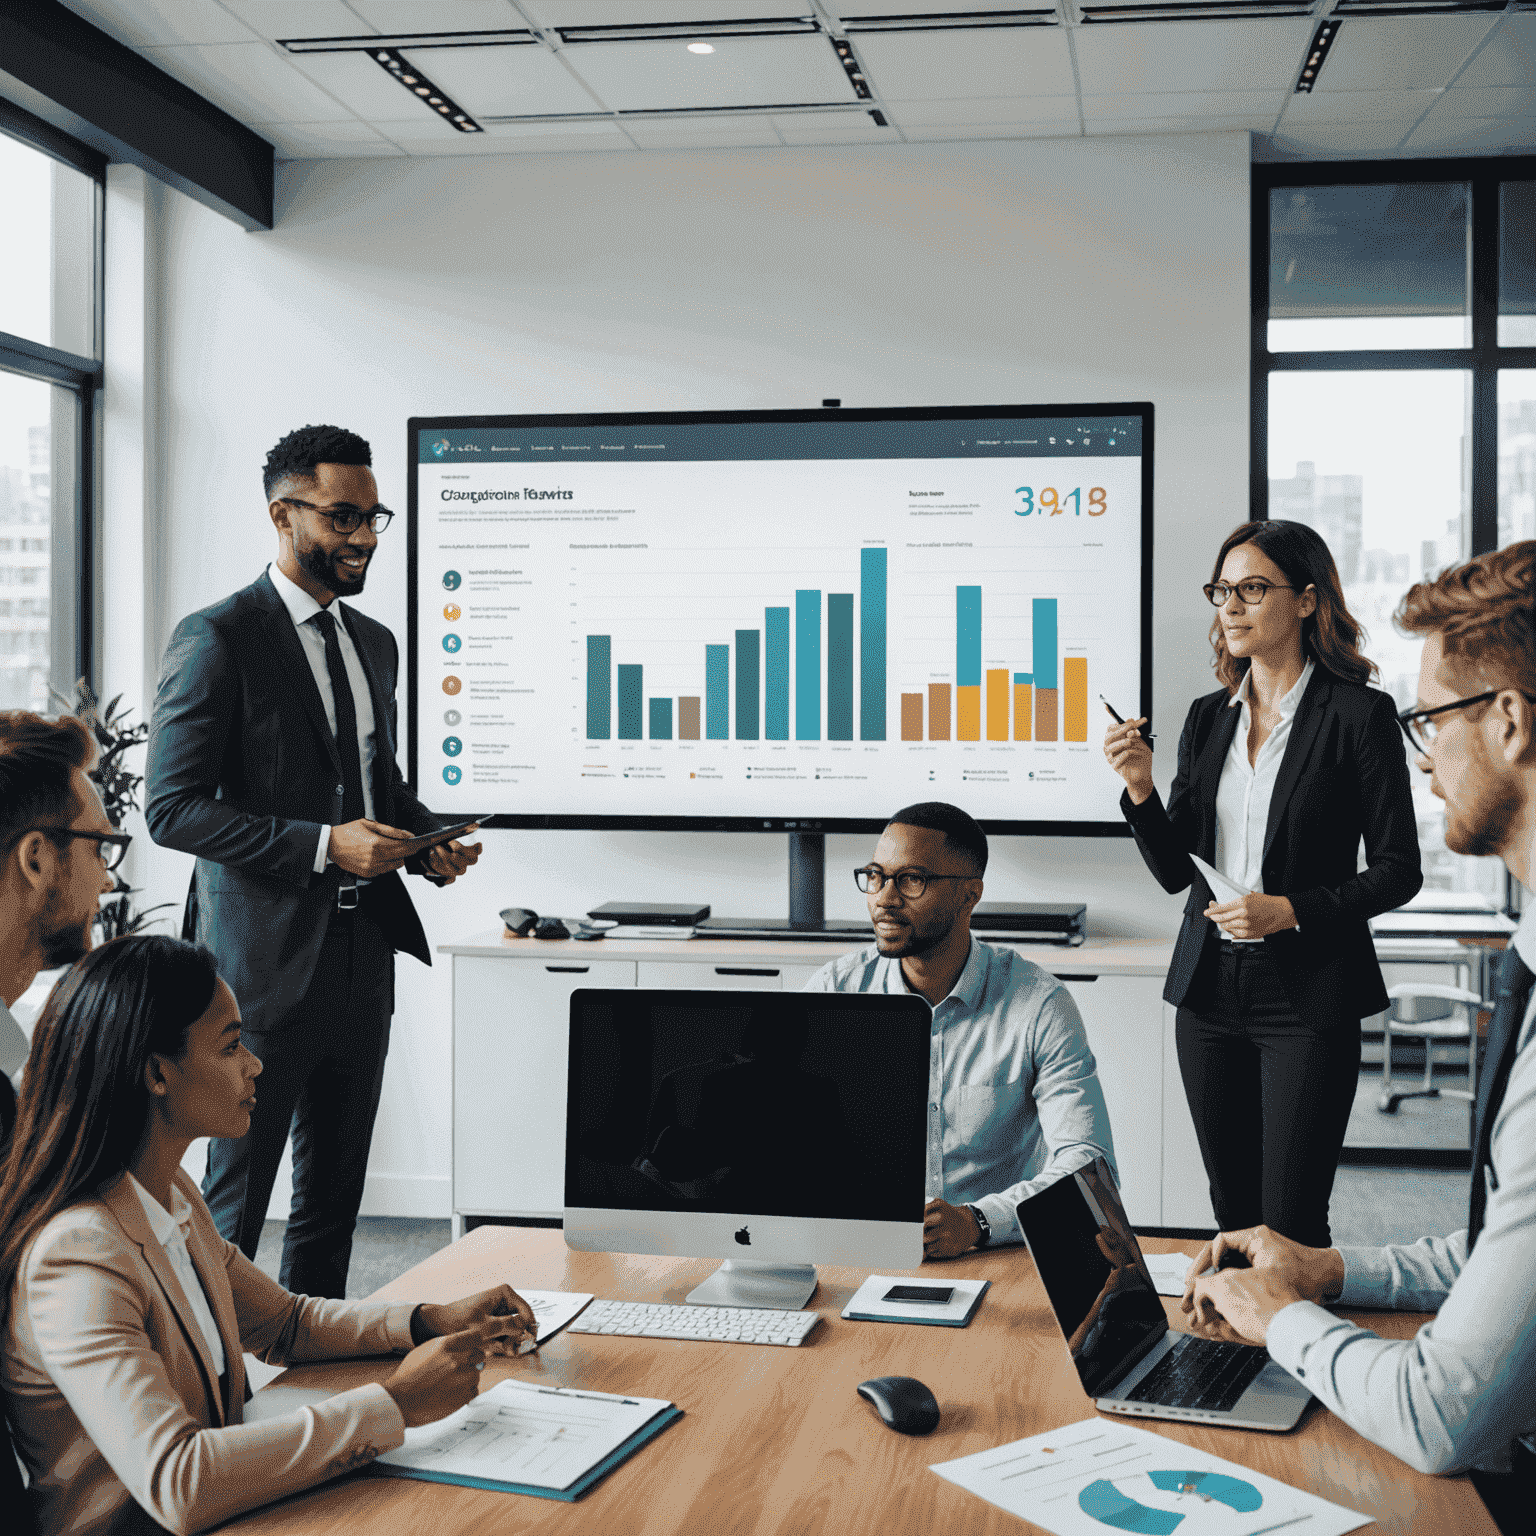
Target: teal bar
(1046, 668)
(631, 707)
(748, 682)
(808, 666)
(599, 687)
(872, 621)
(840, 666)
(776, 674)
(1023, 677)
(661, 719)
(717, 692)
(968, 637)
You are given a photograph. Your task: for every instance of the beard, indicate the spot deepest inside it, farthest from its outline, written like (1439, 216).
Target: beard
(1480, 821)
(915, 942)
(315, 562)
(62, 943)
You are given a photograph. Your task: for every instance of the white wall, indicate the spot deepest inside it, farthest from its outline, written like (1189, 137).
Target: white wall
(1041, 270)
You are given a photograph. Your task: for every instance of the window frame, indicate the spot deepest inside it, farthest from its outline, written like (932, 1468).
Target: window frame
(74, 533)
(1484, 359)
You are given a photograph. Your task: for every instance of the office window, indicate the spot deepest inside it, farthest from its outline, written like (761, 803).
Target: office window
(50, 305)
(1394, 403)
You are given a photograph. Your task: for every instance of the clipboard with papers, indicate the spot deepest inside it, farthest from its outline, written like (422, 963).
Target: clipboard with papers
(551, 1442)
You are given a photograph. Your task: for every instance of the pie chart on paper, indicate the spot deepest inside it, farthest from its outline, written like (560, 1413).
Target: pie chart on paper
(1161, 1502)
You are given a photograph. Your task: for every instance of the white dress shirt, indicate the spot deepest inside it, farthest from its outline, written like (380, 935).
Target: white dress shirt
(1459, 1393)
(302, 608)
(14, 1046)
(1014, 1101)
(1245, 790)
(170, 1229)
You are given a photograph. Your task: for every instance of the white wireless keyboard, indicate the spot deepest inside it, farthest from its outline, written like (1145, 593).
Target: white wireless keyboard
(718, 1325)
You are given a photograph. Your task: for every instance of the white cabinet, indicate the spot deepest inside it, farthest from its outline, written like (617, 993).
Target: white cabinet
(510, 1056)
(724, 975)
(1123, 1016)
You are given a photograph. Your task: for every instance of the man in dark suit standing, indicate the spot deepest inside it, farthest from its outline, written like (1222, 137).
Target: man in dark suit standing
(272, 758)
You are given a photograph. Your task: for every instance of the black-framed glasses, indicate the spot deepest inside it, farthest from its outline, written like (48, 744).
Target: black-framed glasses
(911, 883)
(346, 519)
(1252, 592)
(110, 846)
(1421, 727)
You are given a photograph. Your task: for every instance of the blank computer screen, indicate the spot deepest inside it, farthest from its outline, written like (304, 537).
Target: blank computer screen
(799, 1104)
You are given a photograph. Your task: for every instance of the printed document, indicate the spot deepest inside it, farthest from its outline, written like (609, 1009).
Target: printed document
(1222, 889)
(1099, 1476)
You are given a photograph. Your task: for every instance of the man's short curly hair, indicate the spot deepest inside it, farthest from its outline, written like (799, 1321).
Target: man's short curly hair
(296, 456)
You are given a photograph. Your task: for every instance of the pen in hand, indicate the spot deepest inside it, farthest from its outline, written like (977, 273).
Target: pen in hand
(1119, 719)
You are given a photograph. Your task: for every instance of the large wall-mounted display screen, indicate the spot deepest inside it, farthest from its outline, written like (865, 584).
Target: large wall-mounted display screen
(760, 620)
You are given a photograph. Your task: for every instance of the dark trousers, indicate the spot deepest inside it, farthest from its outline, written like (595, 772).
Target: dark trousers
(1270, 1094)
(320, 1076)
(1510, 1497)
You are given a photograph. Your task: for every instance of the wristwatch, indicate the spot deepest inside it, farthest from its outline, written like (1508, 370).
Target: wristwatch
(983, 1224)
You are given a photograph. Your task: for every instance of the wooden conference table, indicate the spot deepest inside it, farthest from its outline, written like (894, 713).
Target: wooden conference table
(776, 1440)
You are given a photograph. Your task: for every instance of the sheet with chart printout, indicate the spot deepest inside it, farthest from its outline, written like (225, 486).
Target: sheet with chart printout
(1092, 1478)
(543, 1437)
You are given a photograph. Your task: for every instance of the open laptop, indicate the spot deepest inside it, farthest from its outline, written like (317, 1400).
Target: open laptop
(1128, 1358)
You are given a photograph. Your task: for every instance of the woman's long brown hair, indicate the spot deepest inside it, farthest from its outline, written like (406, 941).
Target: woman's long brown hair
(84, 1103)
(1329, 635)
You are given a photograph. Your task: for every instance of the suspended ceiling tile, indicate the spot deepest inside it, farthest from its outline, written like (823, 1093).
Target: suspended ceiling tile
(397, 16)
(356, 82)
(741, 72)
(982, 132)
(1488, 101)
(983, 111)
(324, 141)
(1357, 107)
(515, 139)
(249, 81)
(1400, 52)
(1339, 142)
(942, 66)
(715, 133)
(1469, 135)
(830, 128)
(510, 82)
(298, 18)
(1258, 104)
(1232, 123)
(855, 8)
(613, 13)
(146, 23)
(1191, 56)
(1509, 58)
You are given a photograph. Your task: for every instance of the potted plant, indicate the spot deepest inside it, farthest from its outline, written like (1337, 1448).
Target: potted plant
(119, 786)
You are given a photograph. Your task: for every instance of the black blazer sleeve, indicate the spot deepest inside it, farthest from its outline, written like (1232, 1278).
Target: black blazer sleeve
(1168, 835)
(1388, 827)
(193, 730)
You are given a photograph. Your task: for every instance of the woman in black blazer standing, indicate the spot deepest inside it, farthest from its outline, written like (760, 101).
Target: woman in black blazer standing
(1282, 772)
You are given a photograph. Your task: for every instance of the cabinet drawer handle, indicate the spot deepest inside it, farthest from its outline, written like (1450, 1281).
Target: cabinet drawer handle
(741, 970)
(1072, 976)
(574, 970)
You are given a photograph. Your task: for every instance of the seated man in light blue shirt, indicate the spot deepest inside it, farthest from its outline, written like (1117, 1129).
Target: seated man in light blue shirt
(1461, 1393)
(1014, 1101)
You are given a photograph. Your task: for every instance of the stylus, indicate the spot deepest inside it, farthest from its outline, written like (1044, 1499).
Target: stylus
(1119, 719)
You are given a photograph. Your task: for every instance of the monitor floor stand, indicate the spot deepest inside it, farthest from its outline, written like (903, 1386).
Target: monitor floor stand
(751, 1283)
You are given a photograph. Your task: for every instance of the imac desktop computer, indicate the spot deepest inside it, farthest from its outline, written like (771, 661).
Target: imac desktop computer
(773, 1130)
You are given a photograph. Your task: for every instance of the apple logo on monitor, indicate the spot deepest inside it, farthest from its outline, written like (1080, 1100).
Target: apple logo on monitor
(744, 1237)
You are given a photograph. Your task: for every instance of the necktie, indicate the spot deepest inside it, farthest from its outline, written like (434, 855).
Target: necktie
(346, 720)
(1503, 1036)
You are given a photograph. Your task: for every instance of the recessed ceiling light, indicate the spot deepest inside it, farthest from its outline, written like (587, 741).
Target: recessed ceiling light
(701, 47)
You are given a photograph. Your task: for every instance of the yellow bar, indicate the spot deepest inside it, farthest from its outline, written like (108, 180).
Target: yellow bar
(997, 705)
(1022, 721)
(968, 712)
(1074, 675)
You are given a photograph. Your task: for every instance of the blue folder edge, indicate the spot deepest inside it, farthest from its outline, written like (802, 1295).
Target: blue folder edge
(565, 1495)
(926, 1322)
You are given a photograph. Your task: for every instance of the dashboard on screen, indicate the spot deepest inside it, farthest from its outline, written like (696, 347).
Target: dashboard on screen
(778, 619)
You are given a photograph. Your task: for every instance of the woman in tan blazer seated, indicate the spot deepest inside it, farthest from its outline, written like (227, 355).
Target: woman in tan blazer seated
(125, 1313)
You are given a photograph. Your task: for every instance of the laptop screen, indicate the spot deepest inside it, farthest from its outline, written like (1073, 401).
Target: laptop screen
(1093, 1272)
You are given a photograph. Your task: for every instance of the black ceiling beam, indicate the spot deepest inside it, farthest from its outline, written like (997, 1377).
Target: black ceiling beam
(60, 68)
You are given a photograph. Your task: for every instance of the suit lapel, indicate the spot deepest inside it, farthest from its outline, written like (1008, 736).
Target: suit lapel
(381, 743)
(295, 666)
(124, 1204)
(1304, 729)
(205, 1248)
(1207, 774)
